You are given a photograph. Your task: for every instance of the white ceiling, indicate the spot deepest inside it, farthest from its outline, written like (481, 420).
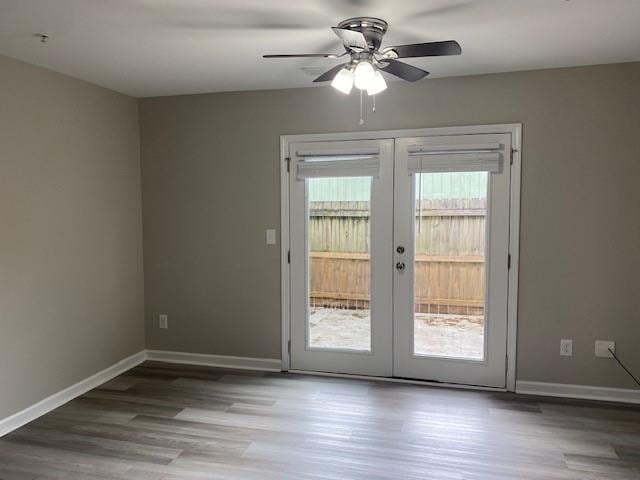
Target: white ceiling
(164, 47)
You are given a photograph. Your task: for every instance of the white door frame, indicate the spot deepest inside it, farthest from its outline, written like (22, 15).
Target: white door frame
(515, 129)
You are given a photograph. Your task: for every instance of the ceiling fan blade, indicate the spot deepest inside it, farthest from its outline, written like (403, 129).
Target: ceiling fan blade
(430, 49)
(328, 75)
(403, 70)
(351, 39)
(303, 55)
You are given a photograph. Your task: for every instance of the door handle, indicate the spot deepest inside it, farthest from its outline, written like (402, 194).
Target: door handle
(400, 266)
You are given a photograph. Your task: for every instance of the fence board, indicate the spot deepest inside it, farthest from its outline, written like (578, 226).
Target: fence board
(443, 284)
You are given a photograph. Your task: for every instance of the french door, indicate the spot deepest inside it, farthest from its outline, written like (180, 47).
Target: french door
(341, 249)
(399, 251)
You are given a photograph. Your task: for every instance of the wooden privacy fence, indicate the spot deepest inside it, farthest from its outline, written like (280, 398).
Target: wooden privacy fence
(449, 268)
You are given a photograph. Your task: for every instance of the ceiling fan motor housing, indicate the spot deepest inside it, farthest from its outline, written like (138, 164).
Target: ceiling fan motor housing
(372, 28)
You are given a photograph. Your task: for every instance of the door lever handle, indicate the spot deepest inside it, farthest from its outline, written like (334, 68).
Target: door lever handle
(400, 266)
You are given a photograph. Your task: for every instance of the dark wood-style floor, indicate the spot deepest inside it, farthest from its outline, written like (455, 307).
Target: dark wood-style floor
(168, 422)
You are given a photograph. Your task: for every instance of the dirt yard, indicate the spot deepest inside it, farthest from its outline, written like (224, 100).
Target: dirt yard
(460, 336)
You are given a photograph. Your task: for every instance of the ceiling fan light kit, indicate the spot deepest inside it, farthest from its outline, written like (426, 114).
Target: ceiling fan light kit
(362, 41)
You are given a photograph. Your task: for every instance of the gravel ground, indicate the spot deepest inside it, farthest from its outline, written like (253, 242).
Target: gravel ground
(447, 335)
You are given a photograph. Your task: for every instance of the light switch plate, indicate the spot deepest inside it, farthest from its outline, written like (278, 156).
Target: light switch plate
(566, 347)
(271, 236)
(163, 321)
(602, 348)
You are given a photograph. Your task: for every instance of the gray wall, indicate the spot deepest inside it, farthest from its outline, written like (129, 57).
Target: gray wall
(211, 188)
(71, 280)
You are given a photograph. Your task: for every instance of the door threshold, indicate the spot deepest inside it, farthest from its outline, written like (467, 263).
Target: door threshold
(411, 381)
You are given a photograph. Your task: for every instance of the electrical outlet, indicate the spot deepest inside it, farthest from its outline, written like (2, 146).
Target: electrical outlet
(163, 321)
(566, 348)
(602, 348)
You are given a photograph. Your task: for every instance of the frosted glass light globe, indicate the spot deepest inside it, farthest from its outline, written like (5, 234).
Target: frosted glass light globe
(343, 81)
(364, 74)
(377, 85)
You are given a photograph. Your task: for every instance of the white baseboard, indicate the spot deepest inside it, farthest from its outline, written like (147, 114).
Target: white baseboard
(244, 363)
(57, 399)
(586, 392)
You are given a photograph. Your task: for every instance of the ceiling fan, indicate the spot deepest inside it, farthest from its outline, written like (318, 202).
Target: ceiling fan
(362, 40)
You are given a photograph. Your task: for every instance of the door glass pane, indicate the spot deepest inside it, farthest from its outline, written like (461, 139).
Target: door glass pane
(338, 227)
(449, 294)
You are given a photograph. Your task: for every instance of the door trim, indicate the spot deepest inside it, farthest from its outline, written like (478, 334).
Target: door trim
(515, 129)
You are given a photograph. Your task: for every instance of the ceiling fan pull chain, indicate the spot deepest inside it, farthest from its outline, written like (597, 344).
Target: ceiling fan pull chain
(373, 109)
(421, 180)
(361, 119)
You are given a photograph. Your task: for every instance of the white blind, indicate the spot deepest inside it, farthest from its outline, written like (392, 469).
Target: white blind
(484, 157)
(363, 162)
(337, 152)
(459, 148)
